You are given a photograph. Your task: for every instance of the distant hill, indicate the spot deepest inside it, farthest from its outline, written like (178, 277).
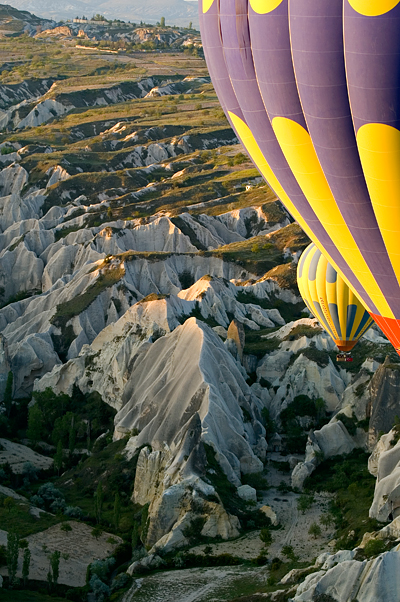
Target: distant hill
(176, 12)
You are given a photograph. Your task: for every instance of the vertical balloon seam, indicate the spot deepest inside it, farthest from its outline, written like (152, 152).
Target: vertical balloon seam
(233, 118)
(314, 286)
(352, 311)
(314, 237)
(317, 292)
(381, 281)
(315, 190)
(373, 173)
(378, 298)
(356, 320)
(342, 299)
(266, 109)
(395, 269)
(291, 207)
(365, 323)
(305, 118)
(268, 179)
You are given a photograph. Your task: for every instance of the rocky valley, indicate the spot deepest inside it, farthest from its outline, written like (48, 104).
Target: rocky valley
(173, 422)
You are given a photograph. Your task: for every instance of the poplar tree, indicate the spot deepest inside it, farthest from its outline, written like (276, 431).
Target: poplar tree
(26, 565)
(117, 510)
(12, 556)
(98, 502)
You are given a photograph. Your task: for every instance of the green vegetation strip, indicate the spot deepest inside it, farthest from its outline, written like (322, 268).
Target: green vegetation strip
(353, 486)
(69, 309)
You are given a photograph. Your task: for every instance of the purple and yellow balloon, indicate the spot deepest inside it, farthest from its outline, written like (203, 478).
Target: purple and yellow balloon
(311, 88)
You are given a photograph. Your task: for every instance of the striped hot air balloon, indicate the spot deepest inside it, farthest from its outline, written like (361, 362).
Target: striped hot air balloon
(312, 89)
(330, 300)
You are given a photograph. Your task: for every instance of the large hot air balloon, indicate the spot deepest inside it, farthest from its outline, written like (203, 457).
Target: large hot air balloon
(331, 301)
(312, 89)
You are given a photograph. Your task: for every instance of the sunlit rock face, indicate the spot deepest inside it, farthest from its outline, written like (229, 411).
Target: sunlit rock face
(175, 394)
(385, 403)
(369, 581)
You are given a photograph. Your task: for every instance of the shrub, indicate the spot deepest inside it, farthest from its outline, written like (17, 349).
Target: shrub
(122, 553)
(193, 530)
(283, 487)
(101, 568)
(374, 547)
(100, 590)
(96, 531)
(121, 581)
(276, 564)
(289, 553)
(30, 472)
(260, 560)
(7, 150)
(304, 503)
(265, 536)
(255, 480)
(349, 423)
(3, 555)
(74, 512)
(314, 530)
(266, 418)
(240, 158)
(49, 498)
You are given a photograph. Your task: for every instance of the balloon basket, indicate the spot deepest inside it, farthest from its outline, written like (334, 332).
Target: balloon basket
(344, 357)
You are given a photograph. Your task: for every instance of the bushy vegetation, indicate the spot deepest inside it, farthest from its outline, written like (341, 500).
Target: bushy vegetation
(302, 330)
(250, 518)
(76, 420)
(353, 486)
(109, 276)
(294, 429)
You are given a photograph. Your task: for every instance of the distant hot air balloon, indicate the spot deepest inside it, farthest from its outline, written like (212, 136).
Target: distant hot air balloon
(330, 300)
(311, 88)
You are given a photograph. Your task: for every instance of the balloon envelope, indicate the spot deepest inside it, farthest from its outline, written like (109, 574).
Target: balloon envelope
(311, 89)
(330, 300)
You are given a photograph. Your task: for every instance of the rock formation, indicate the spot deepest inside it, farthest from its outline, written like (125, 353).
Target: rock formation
(176, 394)
(368, 581)
(385, 403)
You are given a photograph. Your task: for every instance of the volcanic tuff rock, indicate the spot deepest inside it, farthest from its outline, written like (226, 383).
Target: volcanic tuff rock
(386, 501)
(78, 547)
(4, 365)
(376, 580)
(301, 376)
(385, 404)
(177, 11)
(332, 440)
(17, 455)
(177, 393)
(34, 110)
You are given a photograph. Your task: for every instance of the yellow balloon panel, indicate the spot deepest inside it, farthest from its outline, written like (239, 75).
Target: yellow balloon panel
(207, 4)
(379, 148)
(264, 6)
(300, 154)
(373, 8)
(250, 144)
(330, 300)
